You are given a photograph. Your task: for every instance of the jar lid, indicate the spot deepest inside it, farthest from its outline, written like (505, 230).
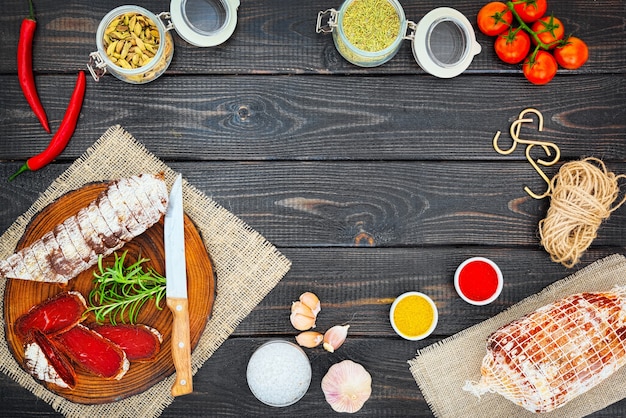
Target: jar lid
(204, 23)
(444, 44)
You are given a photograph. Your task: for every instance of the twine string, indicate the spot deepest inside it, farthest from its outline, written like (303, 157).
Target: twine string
(583, 195)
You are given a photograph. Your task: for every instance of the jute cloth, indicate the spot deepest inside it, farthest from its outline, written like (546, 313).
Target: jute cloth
(247, 267)
(442, 369)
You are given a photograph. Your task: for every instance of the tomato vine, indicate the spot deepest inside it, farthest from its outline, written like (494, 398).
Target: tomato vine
(508, 20)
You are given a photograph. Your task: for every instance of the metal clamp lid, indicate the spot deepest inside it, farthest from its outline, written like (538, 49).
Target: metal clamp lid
(96, 66)
(331, 23)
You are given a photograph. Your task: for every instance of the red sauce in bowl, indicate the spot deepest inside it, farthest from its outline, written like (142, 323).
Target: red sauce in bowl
(478, 281)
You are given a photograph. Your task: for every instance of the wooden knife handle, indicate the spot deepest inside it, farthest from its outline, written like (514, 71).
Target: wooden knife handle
(181, 347)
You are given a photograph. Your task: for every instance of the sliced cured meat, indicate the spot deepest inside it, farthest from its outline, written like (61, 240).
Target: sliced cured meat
(134, 204)
(45, 362)
(5, 268)
(60, 265)
(93, 352)
(31, 265)
(70, 253)
(56, 314)
(86, 253)
(74, 246)
(139, 342)
(109, 239)
(155, 192)
(89, 233)
(40, 254)
(112, 219)
(135, 194)
(124, 213)
(18, 267)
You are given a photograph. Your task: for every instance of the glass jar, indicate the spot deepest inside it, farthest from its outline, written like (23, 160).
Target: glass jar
(351, 52)
(279, 373)
(142, 74)
(201, 23)
(443, 41)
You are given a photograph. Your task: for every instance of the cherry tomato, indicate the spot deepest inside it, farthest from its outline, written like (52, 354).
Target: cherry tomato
(531, 10)
(542, 69)
(549, 29)
(512, 46)
(494, 18)
(573, 54)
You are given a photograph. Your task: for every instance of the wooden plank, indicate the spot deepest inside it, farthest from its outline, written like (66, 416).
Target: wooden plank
(220, 387)
(326, 117)
(381, 204)
(274, 36)
(357, 287)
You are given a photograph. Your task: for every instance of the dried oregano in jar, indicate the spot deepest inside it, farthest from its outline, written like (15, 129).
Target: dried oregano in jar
(371, 25)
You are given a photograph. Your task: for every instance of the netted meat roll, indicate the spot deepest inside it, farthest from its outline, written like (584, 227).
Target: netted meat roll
(545, 359)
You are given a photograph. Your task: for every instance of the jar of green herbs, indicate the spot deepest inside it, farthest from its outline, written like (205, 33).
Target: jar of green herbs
(367, 33)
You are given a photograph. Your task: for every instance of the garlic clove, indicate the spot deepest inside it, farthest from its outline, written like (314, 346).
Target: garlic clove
(301, 308)
(347, 386)
(302, 322)
(302, 317)
(312, 301)
(334, 337)
(309, 339)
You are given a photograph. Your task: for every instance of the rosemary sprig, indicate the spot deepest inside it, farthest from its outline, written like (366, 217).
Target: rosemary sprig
(121, 291)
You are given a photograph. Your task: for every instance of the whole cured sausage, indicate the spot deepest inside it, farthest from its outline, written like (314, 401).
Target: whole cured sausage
(121, 212)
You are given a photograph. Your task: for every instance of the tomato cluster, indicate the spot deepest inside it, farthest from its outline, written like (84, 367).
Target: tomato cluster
(521, 24)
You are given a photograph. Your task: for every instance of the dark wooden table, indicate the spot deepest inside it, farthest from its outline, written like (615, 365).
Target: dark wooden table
(372, 181)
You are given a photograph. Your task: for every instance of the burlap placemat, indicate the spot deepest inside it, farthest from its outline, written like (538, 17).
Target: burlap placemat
(247, 267)
(442, 369)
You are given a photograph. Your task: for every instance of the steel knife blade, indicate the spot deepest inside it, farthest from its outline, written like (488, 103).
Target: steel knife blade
(176, 288)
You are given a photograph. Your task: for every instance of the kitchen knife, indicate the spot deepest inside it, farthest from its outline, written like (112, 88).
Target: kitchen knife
(176, 288)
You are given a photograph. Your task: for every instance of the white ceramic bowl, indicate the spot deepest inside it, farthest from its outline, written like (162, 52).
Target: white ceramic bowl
(493, 266)
(430, 302)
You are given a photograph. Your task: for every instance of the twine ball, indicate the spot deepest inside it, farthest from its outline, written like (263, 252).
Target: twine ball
(583, 195)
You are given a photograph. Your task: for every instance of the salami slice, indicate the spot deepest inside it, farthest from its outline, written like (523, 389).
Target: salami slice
(93, 352)
(45, 362)
(54, 315)
(139, 342)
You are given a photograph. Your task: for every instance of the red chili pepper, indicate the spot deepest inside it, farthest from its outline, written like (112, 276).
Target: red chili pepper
(62, 136)
(25, 67)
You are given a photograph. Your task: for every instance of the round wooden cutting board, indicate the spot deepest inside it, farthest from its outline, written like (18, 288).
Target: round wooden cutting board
(21, 295)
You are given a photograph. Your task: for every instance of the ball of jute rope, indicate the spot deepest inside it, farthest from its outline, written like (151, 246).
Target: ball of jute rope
(583, 195)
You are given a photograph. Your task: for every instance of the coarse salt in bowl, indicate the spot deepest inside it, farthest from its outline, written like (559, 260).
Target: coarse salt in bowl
(279, 373)
(413, 316)
(478, 281)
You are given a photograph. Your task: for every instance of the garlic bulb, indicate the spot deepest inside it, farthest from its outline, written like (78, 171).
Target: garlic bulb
(334, 337)
(312, 301)
(309, 339)
(302, 317)
(347, 386)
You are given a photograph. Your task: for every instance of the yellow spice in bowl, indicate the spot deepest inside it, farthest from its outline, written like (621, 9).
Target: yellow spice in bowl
(413, 316)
